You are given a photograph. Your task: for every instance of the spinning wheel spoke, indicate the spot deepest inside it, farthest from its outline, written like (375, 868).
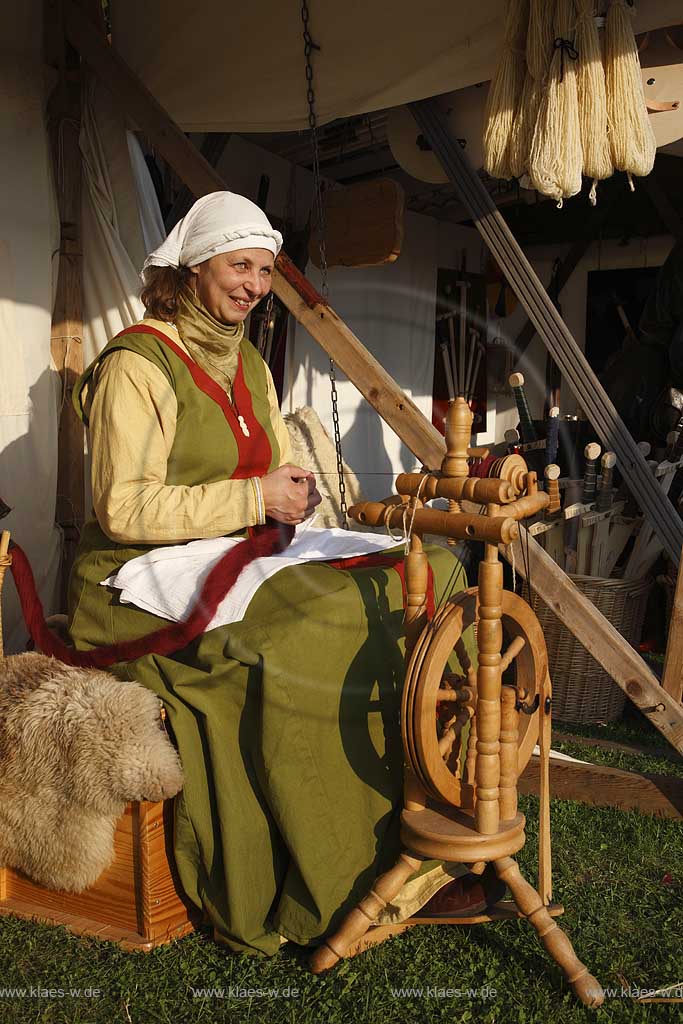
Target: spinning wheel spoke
(447, 695)
(511, 653)
(446, 742)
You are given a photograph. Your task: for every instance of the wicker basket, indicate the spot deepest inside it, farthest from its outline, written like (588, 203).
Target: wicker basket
(582, 690)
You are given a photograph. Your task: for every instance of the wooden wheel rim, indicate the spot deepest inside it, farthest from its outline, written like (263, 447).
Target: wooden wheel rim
(424, 677)
(409, 688)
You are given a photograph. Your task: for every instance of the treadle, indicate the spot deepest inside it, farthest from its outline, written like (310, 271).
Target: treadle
(137, 902)
(503, 911)
(446, 833)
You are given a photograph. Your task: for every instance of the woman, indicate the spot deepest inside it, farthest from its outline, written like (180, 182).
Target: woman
(286, 722)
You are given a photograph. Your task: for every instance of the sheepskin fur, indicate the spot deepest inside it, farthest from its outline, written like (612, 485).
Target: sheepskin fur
(313, 449)
(75, 746)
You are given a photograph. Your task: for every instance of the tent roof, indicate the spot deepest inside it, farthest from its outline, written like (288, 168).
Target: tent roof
(217, 66)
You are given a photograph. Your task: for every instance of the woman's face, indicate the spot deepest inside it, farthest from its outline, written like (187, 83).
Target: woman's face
(230, 284)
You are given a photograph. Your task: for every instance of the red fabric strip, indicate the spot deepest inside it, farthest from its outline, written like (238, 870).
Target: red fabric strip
(266, 540)
(262, 542)
(260, 452)
(381, 561)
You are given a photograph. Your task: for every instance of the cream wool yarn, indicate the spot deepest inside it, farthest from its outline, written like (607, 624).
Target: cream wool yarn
(539, 52)
(539, 43)
(590, 81)
(632, 142)
(556, 155)
(505, 91)
(523, 126)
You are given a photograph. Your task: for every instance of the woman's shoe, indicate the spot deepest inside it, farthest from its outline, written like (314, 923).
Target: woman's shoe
(465, 896)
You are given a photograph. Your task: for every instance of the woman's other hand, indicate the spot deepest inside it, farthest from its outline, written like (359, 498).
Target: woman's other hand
(290, 494)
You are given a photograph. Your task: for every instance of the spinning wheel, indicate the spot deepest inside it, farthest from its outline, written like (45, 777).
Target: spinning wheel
(469, 732)
(438, 703)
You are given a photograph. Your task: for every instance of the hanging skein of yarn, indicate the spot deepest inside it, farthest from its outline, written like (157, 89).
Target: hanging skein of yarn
(632, 141)
(505, 91)
(539, 42)
(556, 155)
(539, 51)
(597, 161)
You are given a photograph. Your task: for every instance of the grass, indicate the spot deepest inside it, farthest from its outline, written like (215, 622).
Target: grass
(620, 876)
(657, 757)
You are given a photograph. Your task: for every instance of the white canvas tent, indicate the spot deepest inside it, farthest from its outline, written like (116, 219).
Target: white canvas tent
(234, 67)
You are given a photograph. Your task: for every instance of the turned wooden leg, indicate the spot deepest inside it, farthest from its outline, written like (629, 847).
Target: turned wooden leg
(357, 922)
(585, 986)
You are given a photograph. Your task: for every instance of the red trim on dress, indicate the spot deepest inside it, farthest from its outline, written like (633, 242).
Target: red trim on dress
(384, 561)
(254, 453)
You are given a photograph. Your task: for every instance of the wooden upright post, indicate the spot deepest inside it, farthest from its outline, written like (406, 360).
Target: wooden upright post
(672, 676)
(490, 641)
(67, 319)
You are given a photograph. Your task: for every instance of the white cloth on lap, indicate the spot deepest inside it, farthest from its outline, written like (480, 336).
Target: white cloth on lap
(167, 581)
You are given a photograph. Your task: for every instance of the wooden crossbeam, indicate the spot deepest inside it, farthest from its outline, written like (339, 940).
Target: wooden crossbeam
(606, 645)
(602, 786)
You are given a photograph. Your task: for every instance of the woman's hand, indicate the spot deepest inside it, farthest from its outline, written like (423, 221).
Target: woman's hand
(290, 494)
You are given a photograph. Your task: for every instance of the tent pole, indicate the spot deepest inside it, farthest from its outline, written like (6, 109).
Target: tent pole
(64, 112)
(577, 613)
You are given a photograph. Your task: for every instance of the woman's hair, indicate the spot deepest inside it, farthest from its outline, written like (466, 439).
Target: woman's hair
(162, 288)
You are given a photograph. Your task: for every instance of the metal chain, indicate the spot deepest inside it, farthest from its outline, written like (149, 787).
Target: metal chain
(319, 209)
(264, 325)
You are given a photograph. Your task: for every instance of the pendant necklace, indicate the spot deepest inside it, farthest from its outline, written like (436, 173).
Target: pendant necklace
(240, 419)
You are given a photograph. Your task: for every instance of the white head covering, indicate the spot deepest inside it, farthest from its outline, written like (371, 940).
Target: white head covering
(219, 222)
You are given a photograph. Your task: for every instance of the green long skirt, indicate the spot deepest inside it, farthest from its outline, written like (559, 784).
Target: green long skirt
(287, 725)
